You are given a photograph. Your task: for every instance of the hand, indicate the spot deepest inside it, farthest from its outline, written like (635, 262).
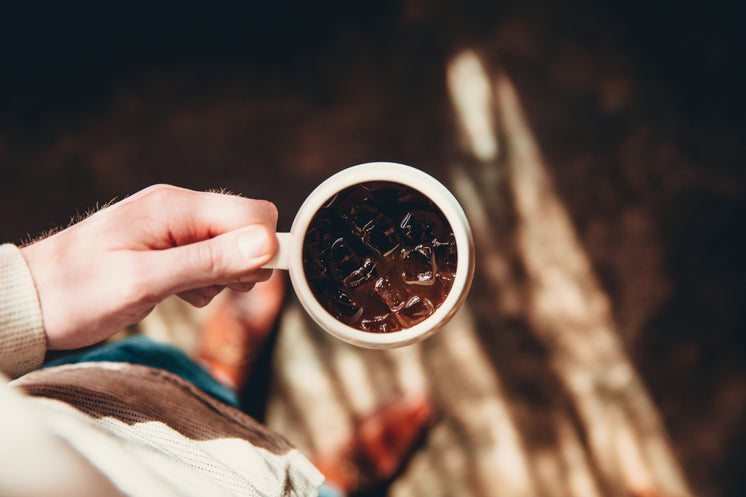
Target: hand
(109, 270)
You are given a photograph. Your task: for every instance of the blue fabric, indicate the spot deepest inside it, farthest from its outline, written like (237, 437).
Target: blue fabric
(140, 349)
(329, 491)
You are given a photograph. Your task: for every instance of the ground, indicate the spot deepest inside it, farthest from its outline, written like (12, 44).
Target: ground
(597, 151)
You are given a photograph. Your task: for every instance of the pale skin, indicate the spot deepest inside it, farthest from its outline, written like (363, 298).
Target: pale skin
(109, 270)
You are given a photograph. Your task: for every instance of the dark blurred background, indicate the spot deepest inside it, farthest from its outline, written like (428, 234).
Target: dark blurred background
(637, 107)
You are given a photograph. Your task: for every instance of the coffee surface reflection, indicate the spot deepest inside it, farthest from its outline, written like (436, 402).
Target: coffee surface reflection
(380, 256)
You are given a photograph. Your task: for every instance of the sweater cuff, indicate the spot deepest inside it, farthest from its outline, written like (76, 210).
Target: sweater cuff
(23, 342)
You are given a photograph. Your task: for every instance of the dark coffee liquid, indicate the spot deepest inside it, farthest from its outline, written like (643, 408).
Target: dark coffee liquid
(380, 256)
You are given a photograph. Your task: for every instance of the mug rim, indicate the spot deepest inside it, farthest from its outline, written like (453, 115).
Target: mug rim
(412, 178)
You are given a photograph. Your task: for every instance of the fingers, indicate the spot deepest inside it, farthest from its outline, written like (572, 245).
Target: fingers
(189, 216)
(200, 297)
(247, 282)
(222, 260)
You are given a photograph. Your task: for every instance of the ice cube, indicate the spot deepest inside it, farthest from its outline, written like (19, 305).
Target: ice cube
(343, 306)
(330, 201)
(352, 197)
(408, 195)
(419, 266)
(381, 235)
(319, 236)
(442, 287)
(445, 254)
(360, 217)
(394, 296)
(383, 323)
(342, 260)
(423, 227)
(314, 269)
(356, 209)
(364, 273)
(415, 310)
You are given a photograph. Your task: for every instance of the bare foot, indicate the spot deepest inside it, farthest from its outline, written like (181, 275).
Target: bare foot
(235, 330)
(381, 444)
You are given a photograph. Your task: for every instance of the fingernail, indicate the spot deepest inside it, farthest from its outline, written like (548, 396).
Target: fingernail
(254, 242)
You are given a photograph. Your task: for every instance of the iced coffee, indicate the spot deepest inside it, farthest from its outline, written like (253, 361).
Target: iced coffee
(380, 256)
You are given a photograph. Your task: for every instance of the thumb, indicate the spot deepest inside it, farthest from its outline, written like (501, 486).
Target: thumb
(215, 261)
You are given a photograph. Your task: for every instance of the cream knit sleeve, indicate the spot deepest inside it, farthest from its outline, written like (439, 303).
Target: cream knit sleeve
(23, 342)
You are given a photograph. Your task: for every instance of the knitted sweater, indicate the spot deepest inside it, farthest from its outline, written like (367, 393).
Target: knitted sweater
(122, 429)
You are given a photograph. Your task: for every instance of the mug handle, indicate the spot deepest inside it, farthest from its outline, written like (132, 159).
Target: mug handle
(281, 259)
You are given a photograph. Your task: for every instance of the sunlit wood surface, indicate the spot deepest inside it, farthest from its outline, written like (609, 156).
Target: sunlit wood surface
(535, 393)
(592, 429)
(595, 148)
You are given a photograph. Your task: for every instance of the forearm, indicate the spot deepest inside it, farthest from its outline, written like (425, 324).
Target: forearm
(22, 338)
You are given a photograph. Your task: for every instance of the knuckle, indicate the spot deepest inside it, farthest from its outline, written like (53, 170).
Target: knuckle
(162, 192)
(158, 195)
(199, 300)
(211, 291)
(207, 259)
(268, 209)
(241, 287)
(200, 297)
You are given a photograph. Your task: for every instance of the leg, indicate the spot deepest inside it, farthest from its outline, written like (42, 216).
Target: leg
(236, 329)
(381, 444)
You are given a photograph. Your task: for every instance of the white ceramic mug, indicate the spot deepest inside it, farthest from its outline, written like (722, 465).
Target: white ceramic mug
(290, 253)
